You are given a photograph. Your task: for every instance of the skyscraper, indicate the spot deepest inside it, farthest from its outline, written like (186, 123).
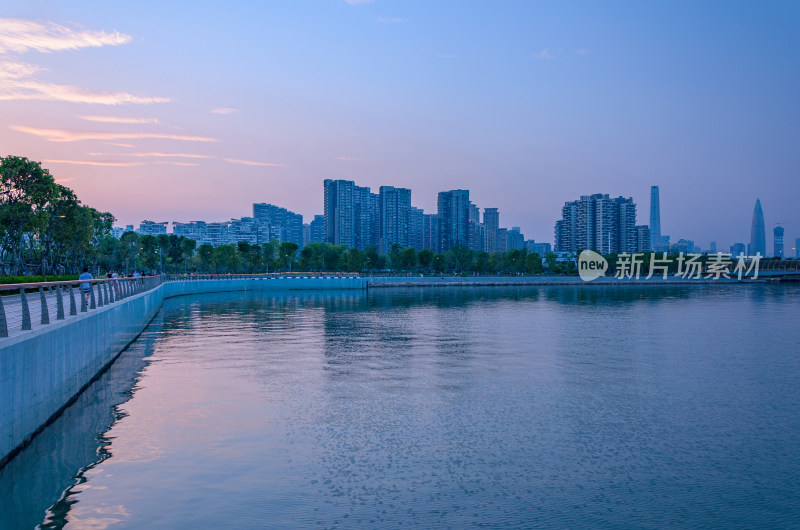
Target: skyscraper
(317, 229)
(416, 236)
(339, 212)
(430, 232)
(777, 235)
(394, 209)
(454, 210)
(491, 219)
(758, 236)
(655, 219)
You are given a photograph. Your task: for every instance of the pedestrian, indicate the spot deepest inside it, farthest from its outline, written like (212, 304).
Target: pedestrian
(86, 287)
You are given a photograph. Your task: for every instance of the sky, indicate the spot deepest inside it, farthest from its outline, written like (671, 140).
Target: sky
(179, 111)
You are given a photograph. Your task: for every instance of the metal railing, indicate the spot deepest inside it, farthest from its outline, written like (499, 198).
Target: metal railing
(25, 306)
(35, 304)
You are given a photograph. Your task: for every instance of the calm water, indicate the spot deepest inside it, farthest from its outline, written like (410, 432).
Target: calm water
(638, 407)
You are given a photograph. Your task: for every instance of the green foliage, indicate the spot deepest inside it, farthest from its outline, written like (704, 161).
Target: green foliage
(35, 279)
(43, 225)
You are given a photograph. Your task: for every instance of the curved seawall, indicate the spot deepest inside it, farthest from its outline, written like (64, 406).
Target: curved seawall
(42, 371)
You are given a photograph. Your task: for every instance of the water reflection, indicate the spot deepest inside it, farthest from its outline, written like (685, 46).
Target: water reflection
(48, 474)
(515, 406)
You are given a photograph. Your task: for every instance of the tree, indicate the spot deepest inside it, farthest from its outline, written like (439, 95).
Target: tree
(461, 257)
(206, 255)
(482, 262)
(226, 258)
(425, 257)
(533, 263)
(269, 251)
(286, 252)
(551, 261)
(408, 258)
(394, 257)
(439, 263)
(355, 260)
(129, 250)
(372, 258)
(26, 190)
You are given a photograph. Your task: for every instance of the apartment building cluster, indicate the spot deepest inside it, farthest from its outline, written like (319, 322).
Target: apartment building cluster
(354, 216)
(268, 222)
(601, 223)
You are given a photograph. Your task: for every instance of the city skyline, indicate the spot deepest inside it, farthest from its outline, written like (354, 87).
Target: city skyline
(369, 215)
(527, 106)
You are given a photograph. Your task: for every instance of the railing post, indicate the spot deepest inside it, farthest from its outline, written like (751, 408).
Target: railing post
(3, 321)
(45, 311)
(72, 309)
(84, 302)
(26, 312)
(59, 303)
(99, 293)
(92, 303)
(111, 292)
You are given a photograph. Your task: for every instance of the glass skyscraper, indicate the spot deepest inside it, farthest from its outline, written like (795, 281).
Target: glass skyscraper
(758, 235)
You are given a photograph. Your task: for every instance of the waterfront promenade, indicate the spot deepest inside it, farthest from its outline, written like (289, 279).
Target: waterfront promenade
(43, 368)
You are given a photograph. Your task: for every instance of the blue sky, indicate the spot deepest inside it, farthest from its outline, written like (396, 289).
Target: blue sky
(527, 104)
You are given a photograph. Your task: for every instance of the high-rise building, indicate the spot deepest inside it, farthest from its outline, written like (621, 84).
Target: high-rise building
(712, 248)
(777, 235)
(643, 238)
(685, 246)
(247, 229)
(366, 212)
(193, 230)
(274, 222)
(797, 248)
(758, 236)
(351, 214)
(394, 205)
(416, 237)
(597, 222)
(625, 225)
(738, 249)
(655, 219)
(491, 222)
(430, 232)
(567, 228)
(317, 229)
(454, 213)
(515, 239)
(217, 233)
(538, 248)
(339, 212)
(502, 239)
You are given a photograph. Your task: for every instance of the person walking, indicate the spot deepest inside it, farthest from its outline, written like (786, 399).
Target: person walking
(86, 287)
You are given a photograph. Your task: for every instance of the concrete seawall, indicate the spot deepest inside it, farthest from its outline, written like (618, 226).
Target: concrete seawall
(42, 371)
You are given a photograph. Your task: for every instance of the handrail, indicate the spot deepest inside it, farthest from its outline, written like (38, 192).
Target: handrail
(17, 311)
(33, 285)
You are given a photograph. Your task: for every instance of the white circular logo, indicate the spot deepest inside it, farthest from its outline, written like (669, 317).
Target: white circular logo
(591, 265)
